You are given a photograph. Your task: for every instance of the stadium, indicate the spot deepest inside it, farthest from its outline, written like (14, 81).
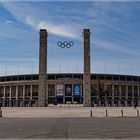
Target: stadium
(83, 89)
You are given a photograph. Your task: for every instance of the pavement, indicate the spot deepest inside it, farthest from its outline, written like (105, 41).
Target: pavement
(70, 128)
(56, 112)
(70, 123)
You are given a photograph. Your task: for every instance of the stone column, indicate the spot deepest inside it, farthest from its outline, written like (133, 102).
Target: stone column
(72, 93)
(16, 92)
(10, 97)
(24, 92)
(31, 95)
(23, 101)
(31, 92)
(64, 93)
(42, 68)
(126, 101)
(113, 95)
(4, 97)
(10, 92)
(16, 95)
(55, 92)
(86, 76)
(106, 100)
(132, 101)
(119, 102)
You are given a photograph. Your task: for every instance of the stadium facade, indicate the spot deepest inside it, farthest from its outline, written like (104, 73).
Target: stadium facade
(81, 89)
(116, 90)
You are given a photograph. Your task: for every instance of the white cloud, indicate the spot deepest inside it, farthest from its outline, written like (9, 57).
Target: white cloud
(30, 16)
(9, 21)
(60, 30)
(30, 21)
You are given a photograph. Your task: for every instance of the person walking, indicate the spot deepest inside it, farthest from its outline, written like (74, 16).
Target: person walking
(135, 105)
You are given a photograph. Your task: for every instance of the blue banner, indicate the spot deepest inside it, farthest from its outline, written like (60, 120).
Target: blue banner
(76, 89)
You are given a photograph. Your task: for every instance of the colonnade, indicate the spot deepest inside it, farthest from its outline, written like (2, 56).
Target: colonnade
(27, 95)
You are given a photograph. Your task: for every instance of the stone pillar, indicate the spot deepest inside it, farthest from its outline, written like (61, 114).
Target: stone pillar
(72, 92)
(4, 97)
(113, 95)
(126, 101)
(119, 102)
(23, 101)
(31, 92)
(24, 92)
(64, 93)
(16, 92)
(86, 76)
(31, 95)
(10, 97)
(132, 101)
(16, 95)
(106, 100)
(10, 92)
(42, 68)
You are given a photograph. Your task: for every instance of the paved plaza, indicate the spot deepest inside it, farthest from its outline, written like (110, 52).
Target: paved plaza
(72, 128)
(70, 123)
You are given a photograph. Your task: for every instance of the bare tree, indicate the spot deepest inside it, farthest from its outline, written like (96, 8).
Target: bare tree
(100, 90)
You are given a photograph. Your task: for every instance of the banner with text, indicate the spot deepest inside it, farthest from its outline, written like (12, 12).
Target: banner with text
(76, 89)
(59, 90)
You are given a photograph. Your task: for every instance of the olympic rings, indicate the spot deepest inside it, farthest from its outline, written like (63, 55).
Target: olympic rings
(65, 44)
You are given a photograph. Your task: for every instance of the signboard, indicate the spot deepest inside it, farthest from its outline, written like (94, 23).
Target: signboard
(59, 90)
(68, 90)
(76, 89)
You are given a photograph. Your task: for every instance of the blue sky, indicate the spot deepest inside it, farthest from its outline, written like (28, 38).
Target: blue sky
(115, 36)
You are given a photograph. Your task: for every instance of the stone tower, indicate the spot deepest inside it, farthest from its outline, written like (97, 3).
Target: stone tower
(42, 68)
(86, 76)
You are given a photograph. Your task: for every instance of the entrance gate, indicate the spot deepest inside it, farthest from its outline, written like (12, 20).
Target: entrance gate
(61, 98)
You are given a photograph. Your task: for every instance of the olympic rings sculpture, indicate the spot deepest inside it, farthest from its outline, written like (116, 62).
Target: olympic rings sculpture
(65, 44)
